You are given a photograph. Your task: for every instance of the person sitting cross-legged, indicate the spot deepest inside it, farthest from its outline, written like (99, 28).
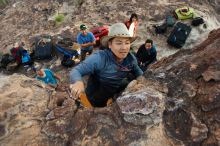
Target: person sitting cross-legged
(146, 54)
(86, 40)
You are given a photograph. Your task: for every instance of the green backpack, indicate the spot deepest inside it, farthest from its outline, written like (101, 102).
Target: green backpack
(184, 13)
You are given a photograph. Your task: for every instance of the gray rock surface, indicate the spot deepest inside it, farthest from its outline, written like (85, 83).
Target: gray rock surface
(21, 20)
(176, 103)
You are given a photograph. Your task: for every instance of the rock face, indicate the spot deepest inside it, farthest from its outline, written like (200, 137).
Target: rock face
(118, 124)
(31, 116)
(23, 107)
(22, 19)
(175, 103)
(191, 116)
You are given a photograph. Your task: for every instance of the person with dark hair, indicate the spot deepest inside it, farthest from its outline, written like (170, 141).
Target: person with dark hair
(86, 40)
(146, 54)
(132, 24)
(109, 70)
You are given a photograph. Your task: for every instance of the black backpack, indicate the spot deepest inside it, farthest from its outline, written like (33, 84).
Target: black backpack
(43, 48)
(6, 59)
(161, 28)
(65, 42)
(197, 21)
(67, 61)
(178, 36)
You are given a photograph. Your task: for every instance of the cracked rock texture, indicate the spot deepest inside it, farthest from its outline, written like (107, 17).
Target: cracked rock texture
(191, 115)
(31, 115)
(177, 102)
(23, 109)
(23, 19)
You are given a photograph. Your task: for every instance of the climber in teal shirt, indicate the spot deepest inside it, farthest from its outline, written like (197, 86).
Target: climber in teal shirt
(48, 77)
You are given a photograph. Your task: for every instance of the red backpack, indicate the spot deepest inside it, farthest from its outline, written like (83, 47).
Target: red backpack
(99, 32)
(17, 53)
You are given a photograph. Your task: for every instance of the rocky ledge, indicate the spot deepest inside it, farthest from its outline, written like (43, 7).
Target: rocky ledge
(177, 102)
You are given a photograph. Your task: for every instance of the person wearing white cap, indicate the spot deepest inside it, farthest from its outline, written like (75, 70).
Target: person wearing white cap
(109, 70)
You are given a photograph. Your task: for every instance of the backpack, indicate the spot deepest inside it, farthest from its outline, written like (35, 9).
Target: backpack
(43, 48)
(17, 53)
(161, 28)
(197, 21)
(178, 36)
(67, 52)
(6, 59)
(25, 57)
(184, 13)
(65, 42)
(170, 21)
(67, 61)
(99, 32)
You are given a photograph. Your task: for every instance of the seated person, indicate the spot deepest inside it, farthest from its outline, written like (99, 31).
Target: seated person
(109, 70)
(146, 54)
(48, 77)
(86, 40)
(132, 24)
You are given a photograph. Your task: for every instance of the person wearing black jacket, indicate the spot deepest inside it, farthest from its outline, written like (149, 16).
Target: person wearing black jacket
(146, 54)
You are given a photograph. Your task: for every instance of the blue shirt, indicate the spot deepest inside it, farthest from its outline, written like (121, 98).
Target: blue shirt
(82, 39)
(49, 78)
(105, 73)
